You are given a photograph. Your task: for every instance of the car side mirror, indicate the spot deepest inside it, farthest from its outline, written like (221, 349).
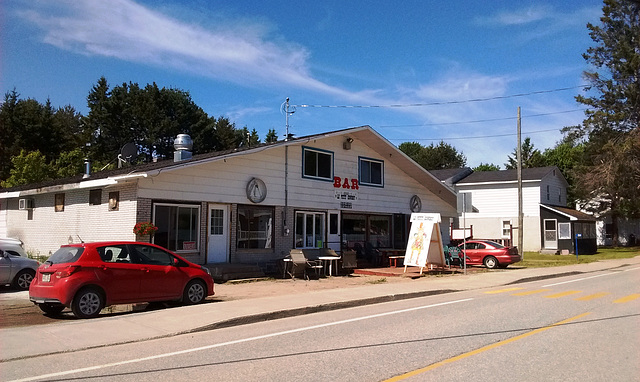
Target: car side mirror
(3, 253)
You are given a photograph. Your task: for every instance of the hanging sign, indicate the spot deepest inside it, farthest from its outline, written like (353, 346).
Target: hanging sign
(425, 245)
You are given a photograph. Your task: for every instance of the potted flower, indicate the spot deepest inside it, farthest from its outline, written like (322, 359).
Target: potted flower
(144, 229)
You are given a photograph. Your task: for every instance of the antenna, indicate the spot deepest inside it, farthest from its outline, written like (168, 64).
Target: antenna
(287, 109)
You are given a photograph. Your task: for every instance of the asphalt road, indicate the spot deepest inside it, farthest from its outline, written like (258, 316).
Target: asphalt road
(574, 328)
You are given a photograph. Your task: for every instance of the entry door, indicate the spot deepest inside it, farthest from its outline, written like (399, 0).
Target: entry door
(333, 234)
(218, 248)
(550, 234)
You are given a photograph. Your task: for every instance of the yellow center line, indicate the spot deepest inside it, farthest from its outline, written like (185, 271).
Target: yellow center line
(530, 292)
(592, 296)
(482, 349)
(562, 294)
(502, 290)
(628, 298)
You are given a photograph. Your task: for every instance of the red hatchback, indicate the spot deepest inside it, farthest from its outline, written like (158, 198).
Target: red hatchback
(490, 253)
(87, 277)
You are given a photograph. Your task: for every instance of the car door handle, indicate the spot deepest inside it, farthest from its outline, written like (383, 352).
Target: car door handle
(146, 269)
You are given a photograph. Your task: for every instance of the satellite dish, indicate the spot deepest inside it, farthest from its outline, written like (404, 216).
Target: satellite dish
(129, 152)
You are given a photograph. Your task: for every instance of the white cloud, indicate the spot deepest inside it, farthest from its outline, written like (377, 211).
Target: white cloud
(233, 52)
(519, 17)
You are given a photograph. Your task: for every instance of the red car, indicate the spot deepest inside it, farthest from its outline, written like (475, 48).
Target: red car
(491, 254)
(87, 277)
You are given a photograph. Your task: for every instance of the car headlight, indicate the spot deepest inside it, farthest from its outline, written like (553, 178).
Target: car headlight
(206, 270)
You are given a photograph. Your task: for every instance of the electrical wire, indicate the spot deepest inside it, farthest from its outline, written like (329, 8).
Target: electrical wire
(444, 102)
(472, 137)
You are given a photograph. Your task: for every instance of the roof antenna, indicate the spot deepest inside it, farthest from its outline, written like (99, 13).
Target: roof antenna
(79, 238)
(287, 110)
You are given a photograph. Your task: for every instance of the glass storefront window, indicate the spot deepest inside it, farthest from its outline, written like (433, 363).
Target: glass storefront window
(178, 226)
(255, 227)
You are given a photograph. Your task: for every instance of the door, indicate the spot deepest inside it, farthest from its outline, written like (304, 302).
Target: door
(550, 234)
(160, 278)
(218, 243)
(333, 234)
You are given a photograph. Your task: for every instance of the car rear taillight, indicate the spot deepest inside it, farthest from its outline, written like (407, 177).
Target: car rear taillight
(68, 271)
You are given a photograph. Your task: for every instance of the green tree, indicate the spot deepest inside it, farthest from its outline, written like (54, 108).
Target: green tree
(531, 157)
(271, 137)
(28, 167)
(487, 167)
(567, 155)
(434, 157)
(608, 177)
(151, 117)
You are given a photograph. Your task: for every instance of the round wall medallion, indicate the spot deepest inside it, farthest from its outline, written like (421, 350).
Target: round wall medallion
(256, 190)
(415, 204)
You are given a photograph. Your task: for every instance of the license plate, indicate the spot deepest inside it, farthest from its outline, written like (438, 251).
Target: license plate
(46, 277)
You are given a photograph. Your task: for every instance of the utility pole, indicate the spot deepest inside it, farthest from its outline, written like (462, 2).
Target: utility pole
(287, 111)
(520, 212)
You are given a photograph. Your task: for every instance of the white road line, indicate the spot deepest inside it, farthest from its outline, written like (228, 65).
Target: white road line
(587, 278)
(186, 351)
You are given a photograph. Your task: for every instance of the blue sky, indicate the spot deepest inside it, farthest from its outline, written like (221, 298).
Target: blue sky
(418, 63)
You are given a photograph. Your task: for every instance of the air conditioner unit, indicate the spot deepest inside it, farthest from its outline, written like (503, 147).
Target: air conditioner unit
(25, 204)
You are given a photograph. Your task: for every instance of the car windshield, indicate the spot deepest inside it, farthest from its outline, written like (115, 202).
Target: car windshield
(66, 255)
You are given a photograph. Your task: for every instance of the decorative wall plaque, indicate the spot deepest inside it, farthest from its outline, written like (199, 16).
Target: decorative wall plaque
(256, 190)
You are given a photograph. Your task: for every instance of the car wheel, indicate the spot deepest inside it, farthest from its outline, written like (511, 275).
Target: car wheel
(50, 309)
(88, 303)
(194, 293)
(23, 279)
(491, 262)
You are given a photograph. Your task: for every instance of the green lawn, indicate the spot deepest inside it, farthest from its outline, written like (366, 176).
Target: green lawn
(537, 260)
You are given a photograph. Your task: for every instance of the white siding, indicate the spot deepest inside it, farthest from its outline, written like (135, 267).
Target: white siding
(224, 181)
(43, 230)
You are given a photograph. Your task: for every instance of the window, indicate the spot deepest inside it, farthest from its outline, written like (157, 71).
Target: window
(317, 164)
(255, 227)
(309, 229)
(59, 198)
(151, 255)
(548, 193)
(114, 200)
(114, 254)
(371, 171)
(178, 226)
(564, 231)
(506, 228)
(95, 197)
(217, 222)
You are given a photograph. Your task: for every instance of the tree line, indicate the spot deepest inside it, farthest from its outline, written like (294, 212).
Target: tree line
(39, 142)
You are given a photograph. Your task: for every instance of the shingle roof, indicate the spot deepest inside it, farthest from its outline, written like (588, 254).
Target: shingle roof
(535, 173)
(576, 215)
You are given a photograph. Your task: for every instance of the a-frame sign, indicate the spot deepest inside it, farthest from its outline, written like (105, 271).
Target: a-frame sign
(425, 242)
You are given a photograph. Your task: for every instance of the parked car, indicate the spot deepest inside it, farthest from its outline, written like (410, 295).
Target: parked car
(15, 267)
(489, 253)
(87, 277)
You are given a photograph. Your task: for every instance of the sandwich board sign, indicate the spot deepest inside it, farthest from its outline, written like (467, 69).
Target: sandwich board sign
(424, 246)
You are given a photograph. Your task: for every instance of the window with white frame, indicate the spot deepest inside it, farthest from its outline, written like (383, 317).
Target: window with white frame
(317, 164)
(371, 172)
(310, 229)
(564, 231)
(506, 228)
(178, 226)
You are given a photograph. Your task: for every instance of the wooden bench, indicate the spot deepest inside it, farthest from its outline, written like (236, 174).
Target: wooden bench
(393, 261)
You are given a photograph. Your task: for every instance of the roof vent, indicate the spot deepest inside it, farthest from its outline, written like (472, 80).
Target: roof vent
(183, 145)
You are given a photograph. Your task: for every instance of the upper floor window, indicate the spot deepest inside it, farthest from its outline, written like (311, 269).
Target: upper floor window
(317, 164)
(59, 200)
(548, 193)
(371, 171)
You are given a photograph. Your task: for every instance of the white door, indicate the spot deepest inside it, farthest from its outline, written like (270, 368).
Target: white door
(218, 248)
(550, 234)
(333, 234)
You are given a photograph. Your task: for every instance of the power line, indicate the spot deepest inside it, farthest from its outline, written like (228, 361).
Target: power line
(444, 102)
(474, 137)
(484, 120)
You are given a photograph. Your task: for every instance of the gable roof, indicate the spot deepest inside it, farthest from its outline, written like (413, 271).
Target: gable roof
(570, 213)
(364, 134)
(507, 176)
